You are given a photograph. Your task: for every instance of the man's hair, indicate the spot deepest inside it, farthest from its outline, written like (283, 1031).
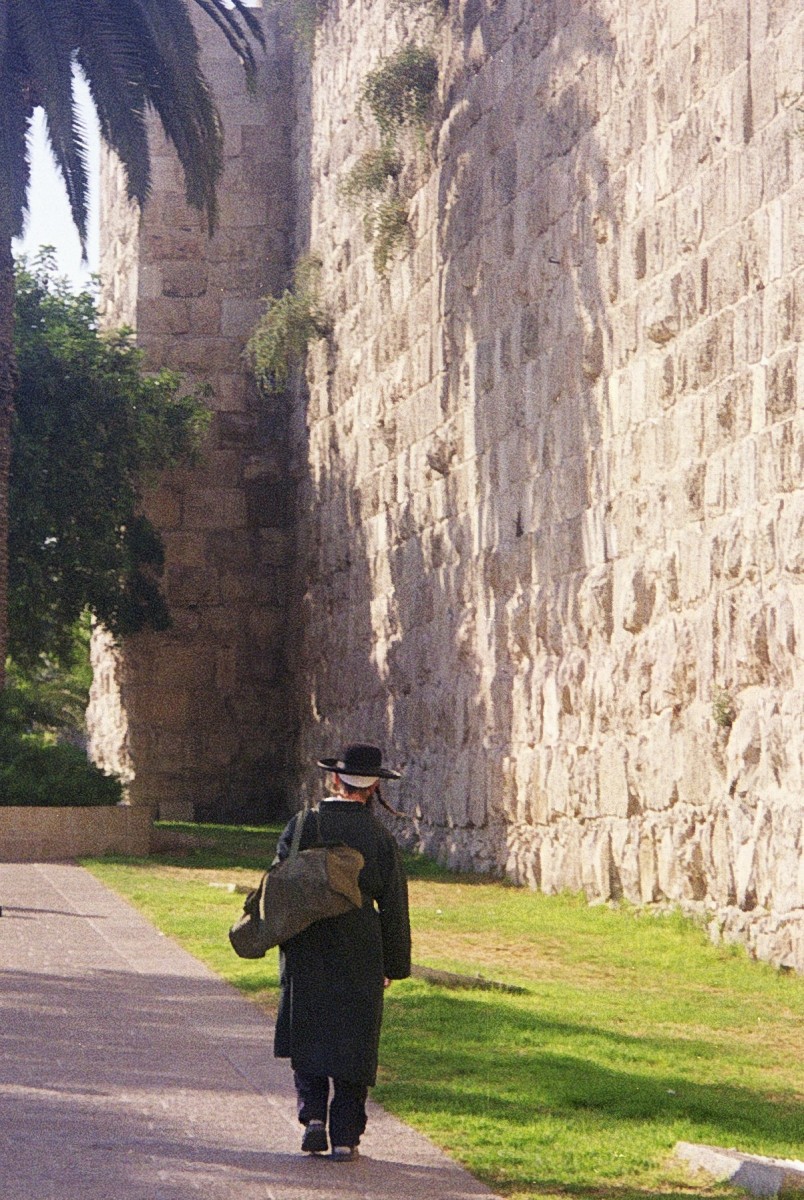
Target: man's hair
(348, 788)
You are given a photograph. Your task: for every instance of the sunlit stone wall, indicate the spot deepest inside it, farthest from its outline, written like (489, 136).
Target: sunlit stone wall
(554, 509)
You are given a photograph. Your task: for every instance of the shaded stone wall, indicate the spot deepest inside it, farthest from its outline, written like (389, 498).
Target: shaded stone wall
(196, 718)
(552, 528)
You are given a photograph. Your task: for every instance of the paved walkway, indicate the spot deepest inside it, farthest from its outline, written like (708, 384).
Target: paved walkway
(128, 1071)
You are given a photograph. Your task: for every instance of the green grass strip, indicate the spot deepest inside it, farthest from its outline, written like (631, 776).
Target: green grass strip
(631, 1031)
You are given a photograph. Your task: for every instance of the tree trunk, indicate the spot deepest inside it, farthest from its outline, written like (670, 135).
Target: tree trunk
(7, 385)
(8, 364)
(8, 371)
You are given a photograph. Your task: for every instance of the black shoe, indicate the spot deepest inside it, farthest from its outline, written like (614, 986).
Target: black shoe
(345, 1153)
(315, 1138)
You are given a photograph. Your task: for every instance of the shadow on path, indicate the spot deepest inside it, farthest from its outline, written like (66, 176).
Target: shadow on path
(130, 1071)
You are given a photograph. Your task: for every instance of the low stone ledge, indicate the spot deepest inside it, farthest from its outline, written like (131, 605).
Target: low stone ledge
(31, 834)
(758, 1175)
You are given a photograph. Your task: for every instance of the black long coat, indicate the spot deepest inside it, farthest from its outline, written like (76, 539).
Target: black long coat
(331, 974)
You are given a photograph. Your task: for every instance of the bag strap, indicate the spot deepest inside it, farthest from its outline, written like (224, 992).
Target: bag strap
(292, 853)
(297, 832)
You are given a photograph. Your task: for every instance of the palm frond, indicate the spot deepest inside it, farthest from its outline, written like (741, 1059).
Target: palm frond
(111, 60)
(233, 31)
(135, 54)
(43, 32)
(177, 90)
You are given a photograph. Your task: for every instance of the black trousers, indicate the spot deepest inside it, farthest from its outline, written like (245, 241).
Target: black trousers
(347, 1110)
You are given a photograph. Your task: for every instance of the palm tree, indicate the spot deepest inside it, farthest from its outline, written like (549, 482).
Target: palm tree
(137, 56)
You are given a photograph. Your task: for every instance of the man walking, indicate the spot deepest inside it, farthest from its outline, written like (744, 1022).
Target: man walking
(333, 974)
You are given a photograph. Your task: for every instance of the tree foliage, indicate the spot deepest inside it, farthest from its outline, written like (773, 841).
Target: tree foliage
(53, 696)
(90, 430)
(140, 58)
(37, 769)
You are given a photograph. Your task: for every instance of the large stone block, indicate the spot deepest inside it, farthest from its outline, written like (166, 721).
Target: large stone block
(215, 508)
(55, 834)
(613, 790)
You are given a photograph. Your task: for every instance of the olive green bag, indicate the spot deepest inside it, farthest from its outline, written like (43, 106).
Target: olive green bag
(307, 886)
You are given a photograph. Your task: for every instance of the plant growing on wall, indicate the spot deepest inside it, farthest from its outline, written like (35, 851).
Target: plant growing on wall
(436, 8)
(305, 16)
(290, 322)
(372, 172)
(399, 95)
(724, 712)
(387, 226)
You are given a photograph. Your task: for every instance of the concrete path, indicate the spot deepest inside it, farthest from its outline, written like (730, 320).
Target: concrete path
(128, 1071)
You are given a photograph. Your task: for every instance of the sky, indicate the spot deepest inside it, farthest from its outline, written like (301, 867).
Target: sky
(49, 221)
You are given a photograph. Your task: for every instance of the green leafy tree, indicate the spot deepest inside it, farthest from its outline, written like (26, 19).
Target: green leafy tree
(138, 57)
(53, 696)
(42, 734)
(89, 429)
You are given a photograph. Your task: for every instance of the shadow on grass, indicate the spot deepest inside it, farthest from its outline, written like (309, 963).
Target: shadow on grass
(418, 866)
(211, 847)
(488, 1059)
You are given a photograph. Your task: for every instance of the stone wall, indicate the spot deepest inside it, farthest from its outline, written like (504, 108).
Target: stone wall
(32, 834)
(548, 531)
(551, 536)
(195, 719)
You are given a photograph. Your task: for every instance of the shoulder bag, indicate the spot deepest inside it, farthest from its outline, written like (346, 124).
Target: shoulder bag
(305, 887)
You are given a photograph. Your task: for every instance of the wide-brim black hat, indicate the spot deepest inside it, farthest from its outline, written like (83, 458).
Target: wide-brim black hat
(359, 762)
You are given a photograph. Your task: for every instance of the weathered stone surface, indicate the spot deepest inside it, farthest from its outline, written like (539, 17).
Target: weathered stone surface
(31, 834)
(757, 1174)
(549, 538)
(631, 424)
(166, 711)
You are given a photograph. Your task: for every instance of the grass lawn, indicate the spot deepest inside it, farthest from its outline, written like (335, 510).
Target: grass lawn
(632, 1031)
